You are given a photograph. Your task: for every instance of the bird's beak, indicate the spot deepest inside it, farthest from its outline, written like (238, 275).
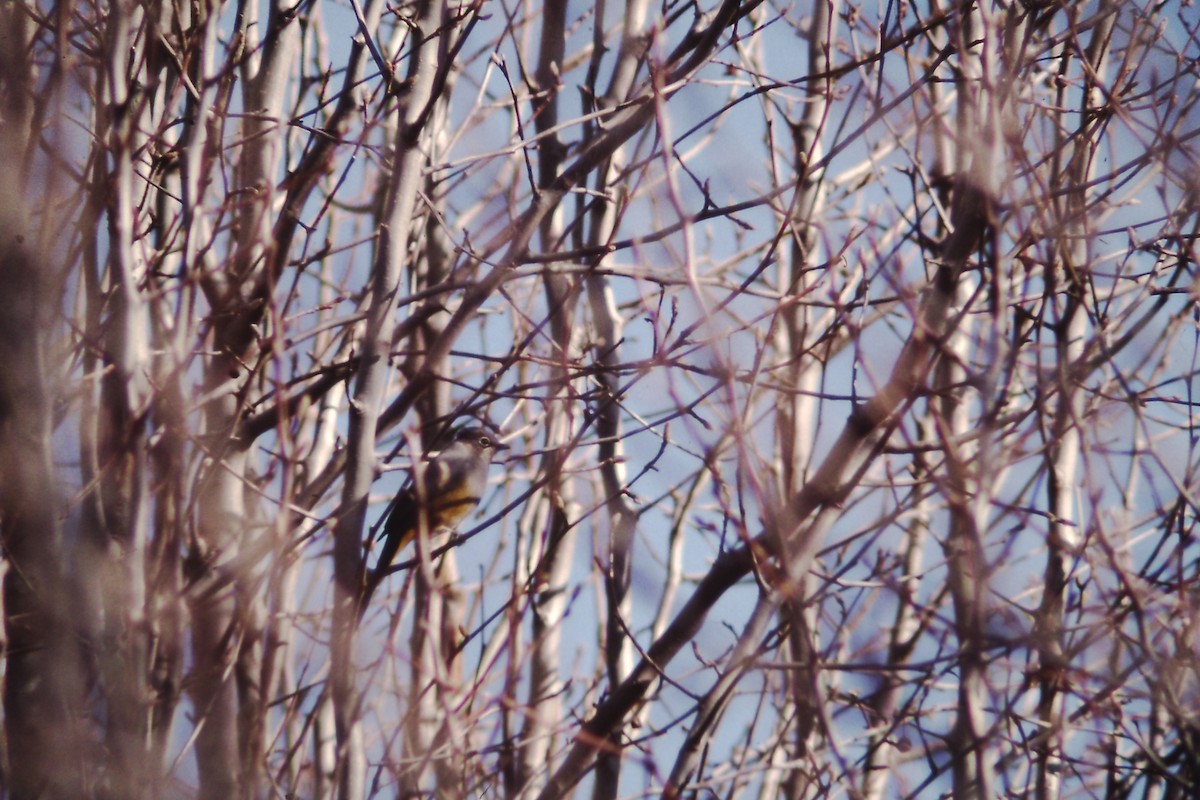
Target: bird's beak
(500, 446)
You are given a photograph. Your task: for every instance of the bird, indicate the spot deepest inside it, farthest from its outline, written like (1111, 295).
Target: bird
(438, 497)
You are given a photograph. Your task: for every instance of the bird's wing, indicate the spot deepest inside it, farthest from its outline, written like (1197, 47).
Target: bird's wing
(396, 532)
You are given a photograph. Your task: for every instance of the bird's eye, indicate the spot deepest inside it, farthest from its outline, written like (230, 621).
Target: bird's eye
(485, 442)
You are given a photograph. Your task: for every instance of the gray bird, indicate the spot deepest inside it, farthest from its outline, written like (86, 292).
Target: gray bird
(449, 488)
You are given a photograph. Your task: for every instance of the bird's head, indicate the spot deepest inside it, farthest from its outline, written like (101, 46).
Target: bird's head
(480, 439)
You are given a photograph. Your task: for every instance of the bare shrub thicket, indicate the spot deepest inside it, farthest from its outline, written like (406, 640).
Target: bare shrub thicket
(846, 352)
